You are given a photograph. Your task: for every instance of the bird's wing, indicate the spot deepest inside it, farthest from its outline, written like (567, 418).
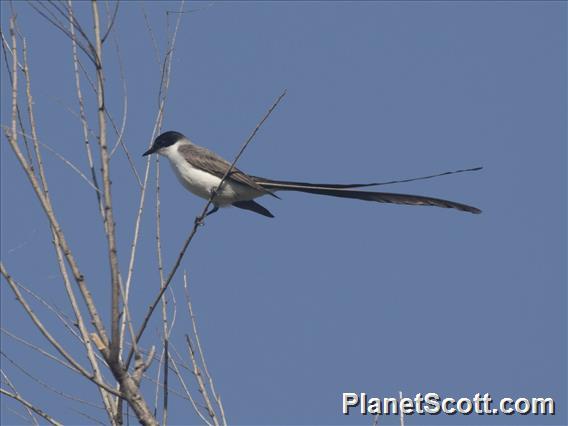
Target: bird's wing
(203, 159)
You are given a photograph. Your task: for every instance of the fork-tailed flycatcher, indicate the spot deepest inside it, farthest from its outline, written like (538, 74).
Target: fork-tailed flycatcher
(200, 171)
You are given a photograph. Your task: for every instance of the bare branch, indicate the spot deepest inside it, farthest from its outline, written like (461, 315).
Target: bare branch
(32, 407)
(14, 412)
(62, 158)
(165, 81)
(70, 164)
(47, 208)
(46, 205)
(39, 325)
(5, 49)
(60, 14)
(189, 396)
(111, 23)
(200, 383)
(128, 320)
(151, 32)
(120, 132)
(13, 387)
(128, 384)
(91, 418)
(60, 315)
(7, 54)
(52, 19)
(38, 349)
(170, 390)
(166, 337)
(14, 78)
(162, 363)
(25, 371)
(97, 376)
(200, 350)
(107, 197)
(199, 221)
(39, 192)
(83, 116)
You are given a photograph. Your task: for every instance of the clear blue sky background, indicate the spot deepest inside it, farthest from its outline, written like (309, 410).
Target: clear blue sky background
(332, 295)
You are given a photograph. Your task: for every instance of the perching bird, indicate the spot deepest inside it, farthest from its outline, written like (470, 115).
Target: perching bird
(200, 171)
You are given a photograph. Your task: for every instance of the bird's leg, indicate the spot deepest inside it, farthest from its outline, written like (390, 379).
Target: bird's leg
(200, 221)
(213, 210)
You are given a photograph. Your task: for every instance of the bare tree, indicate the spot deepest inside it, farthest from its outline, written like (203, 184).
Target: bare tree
(111, 358)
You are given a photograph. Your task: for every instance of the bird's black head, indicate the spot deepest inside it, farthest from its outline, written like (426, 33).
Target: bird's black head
(164, 140)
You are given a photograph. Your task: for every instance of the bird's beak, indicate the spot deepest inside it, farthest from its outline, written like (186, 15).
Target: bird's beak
(150, 151)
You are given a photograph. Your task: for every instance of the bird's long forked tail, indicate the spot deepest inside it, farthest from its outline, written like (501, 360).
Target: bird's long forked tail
(347, 191)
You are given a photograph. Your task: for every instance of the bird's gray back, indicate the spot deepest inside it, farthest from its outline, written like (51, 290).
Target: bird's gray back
(208, 161)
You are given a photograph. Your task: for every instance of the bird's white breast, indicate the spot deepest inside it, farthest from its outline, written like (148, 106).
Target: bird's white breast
(202, 183)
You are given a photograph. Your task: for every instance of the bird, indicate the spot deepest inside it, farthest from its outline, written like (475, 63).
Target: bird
(200, 171)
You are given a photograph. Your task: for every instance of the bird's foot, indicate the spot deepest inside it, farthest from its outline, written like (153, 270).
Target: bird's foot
(213, 210)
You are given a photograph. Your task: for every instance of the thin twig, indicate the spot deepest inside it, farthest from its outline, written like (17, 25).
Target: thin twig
(199, 221)
(200, 350)
(32, 407)
(5, 48)
(166, 337)
(91, 418)
(83, 116)
(111, 24)
(38, 349)
(128, 320)
(44, 197)
(44, 200)
(186, 390)
(51, 308)
(13, 387)
(157, 382)
(170, 390)
(71, 111)
(14, 412)
(107, 196)
(128, 384)
(62, 158)
(47, 386)
(39, 325)
(160, 360)
(56, 240)
(88, 50)
(70, 164)
(200, 383)
(120, 132)
(151, 32)
(165, 81)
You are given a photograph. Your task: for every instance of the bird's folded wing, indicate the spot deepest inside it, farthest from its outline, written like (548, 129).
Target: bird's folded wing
(203, 159)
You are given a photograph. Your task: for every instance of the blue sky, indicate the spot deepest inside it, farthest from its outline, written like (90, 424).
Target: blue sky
(332, 295)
